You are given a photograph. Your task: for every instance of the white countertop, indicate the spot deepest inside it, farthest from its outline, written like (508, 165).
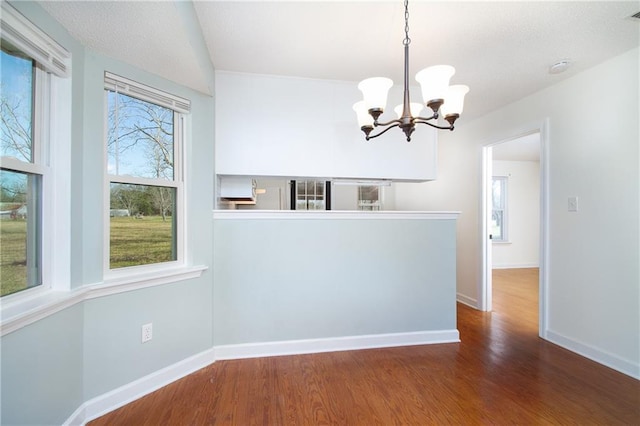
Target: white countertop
(335, 214)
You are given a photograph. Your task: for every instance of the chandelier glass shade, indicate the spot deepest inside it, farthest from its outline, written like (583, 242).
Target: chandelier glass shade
(438, 96)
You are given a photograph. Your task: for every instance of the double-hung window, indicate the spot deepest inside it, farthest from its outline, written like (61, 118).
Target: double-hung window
(145, 184)
(30, 60)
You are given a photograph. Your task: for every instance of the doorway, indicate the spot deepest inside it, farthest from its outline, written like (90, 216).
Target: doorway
(514, 197)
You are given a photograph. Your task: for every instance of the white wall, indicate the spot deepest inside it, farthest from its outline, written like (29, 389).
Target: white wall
(523, 210)
(283, 126)
(593, 292)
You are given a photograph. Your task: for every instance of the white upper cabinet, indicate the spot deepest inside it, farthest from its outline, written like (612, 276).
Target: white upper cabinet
(283, 126)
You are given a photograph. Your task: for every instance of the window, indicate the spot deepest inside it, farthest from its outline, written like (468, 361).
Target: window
(144, 143)
(310, 194)
(369, 198)
(21, 175)
(30, 61)
(499, 209)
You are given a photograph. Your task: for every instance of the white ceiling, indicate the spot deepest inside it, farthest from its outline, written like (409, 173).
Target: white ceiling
(525, 148)
(502, 50)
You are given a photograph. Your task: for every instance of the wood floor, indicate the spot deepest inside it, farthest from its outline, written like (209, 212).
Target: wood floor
(500, 374)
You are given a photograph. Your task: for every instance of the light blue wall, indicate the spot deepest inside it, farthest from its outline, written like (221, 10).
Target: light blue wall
(54, 365)
(279, 280)
(42, 367)
(113, 353)
(180, 313)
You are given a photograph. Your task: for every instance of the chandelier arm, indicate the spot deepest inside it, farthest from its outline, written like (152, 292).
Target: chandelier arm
(382, 132)
(433, 117)
(434, 125)
(398, 121)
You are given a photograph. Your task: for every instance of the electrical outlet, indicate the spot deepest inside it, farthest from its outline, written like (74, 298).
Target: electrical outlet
(572, 204)
(147, 332)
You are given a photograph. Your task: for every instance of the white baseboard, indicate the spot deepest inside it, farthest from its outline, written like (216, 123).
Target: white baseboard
(298, 347)
(612, 361)
(467, 300)
(123, 395)
(516, 266)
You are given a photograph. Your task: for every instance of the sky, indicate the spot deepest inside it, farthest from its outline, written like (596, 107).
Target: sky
(133, 148)
(16, 89)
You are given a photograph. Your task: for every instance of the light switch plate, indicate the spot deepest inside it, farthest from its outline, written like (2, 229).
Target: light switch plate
(573, 204)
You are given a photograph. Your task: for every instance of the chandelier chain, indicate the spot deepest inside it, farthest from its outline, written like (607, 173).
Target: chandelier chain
(407, 40)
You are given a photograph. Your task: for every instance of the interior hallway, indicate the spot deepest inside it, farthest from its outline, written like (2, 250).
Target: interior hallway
(515, 297)
(501, 373)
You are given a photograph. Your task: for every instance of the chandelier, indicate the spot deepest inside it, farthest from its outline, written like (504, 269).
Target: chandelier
(436, 93)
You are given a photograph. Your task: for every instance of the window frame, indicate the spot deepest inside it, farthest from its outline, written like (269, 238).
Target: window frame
(504, 191)
(51, 126)
(180, 107)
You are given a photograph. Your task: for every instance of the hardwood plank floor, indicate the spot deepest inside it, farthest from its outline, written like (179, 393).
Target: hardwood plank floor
(501, 373)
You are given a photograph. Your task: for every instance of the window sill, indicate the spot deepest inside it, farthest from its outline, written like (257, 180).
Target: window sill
(24, 311)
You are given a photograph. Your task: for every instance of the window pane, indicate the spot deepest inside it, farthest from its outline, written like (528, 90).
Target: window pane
(499, 208)
(310, 194)
(140, 138)
(20, 240)
(16, 105)
(497, 224)
(498, 198)
(142, 225)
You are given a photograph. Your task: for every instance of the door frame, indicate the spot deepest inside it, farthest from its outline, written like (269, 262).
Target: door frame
(486, 286)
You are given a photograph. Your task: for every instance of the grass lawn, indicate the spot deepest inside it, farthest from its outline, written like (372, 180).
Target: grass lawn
(133, 242)
(13, 255)
(140, 241)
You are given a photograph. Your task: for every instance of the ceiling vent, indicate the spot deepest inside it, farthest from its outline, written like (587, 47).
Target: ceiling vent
(635, 15)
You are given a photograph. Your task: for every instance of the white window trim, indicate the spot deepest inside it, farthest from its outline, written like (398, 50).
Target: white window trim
(146, 93)
(39, 305)
(56, 238)
(34, 42)
(180, 106)
(52, 108)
